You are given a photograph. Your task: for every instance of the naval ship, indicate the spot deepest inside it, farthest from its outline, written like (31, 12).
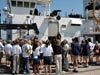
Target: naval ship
(24, 19)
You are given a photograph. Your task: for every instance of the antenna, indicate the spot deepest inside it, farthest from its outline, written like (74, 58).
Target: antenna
(0, 22)
(6, 10)
(0, 16)
(72, 12)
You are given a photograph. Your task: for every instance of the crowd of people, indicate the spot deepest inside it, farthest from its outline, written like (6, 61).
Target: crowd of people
(23, 53)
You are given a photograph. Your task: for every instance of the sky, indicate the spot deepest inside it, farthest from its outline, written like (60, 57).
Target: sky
(66, 6)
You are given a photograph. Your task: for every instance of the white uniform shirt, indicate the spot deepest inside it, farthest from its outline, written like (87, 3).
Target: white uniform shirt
(36, 53)
(24, 47)
(91, 45)
(66, 47)
(41, 48)
(47, 51)
(1, 47)
(7, 48)
(16, 50)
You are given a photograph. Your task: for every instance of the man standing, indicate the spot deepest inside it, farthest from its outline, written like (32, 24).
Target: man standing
(91, 51)
(7, 50)
(16, 52)
(75, 53)
(26, 52)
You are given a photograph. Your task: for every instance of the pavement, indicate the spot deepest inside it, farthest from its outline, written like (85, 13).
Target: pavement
(91, 70)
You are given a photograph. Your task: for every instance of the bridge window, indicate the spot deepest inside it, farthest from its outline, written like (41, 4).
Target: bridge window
(26, 4)
(13, 3)
(20, 4)
(32, 5)
(75, 24)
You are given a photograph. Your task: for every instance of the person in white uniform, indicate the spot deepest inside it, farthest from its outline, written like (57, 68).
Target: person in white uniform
(41, 52)
(91, 51)
(16, 52)
(47, 54)
(26, 52)
(7, 50)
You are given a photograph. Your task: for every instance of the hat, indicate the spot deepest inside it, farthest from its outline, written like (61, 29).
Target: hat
(8, 41)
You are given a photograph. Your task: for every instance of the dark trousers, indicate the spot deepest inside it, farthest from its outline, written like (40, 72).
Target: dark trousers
(26, 64)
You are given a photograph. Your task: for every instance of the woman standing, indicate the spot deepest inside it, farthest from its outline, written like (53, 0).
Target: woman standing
(58, 56)
(36, 60)
(41, 52)
(47, 53)
(65, 63)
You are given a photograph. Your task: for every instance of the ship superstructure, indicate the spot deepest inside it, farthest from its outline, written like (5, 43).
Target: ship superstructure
(48, 22)
(92, 27)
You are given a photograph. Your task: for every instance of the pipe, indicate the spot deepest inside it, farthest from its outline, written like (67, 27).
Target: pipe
(94, 15)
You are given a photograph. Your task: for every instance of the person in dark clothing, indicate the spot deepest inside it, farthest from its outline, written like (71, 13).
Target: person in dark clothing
(34, 44)
(58, 56)
(81, 55)
(36, 12)
(75, 53)
(59, 36)
(70, 51)
(76, 47)
(86, 53)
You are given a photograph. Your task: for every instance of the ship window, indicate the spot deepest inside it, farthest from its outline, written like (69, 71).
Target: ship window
(20, 4)
(63, 27)
(75, 24)
(13, 3)
(32, 5)
(26, 4)
(31, 12)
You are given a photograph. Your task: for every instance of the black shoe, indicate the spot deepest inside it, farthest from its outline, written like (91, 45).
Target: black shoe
(53, 63)
(67, 70)
(91, 63)
(86, 66)
(76, 71)
(80, 63)
(16, 73)
(71, 64)
(13, 73)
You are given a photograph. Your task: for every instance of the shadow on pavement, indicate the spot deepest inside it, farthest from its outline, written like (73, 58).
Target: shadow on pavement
(4, 69)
